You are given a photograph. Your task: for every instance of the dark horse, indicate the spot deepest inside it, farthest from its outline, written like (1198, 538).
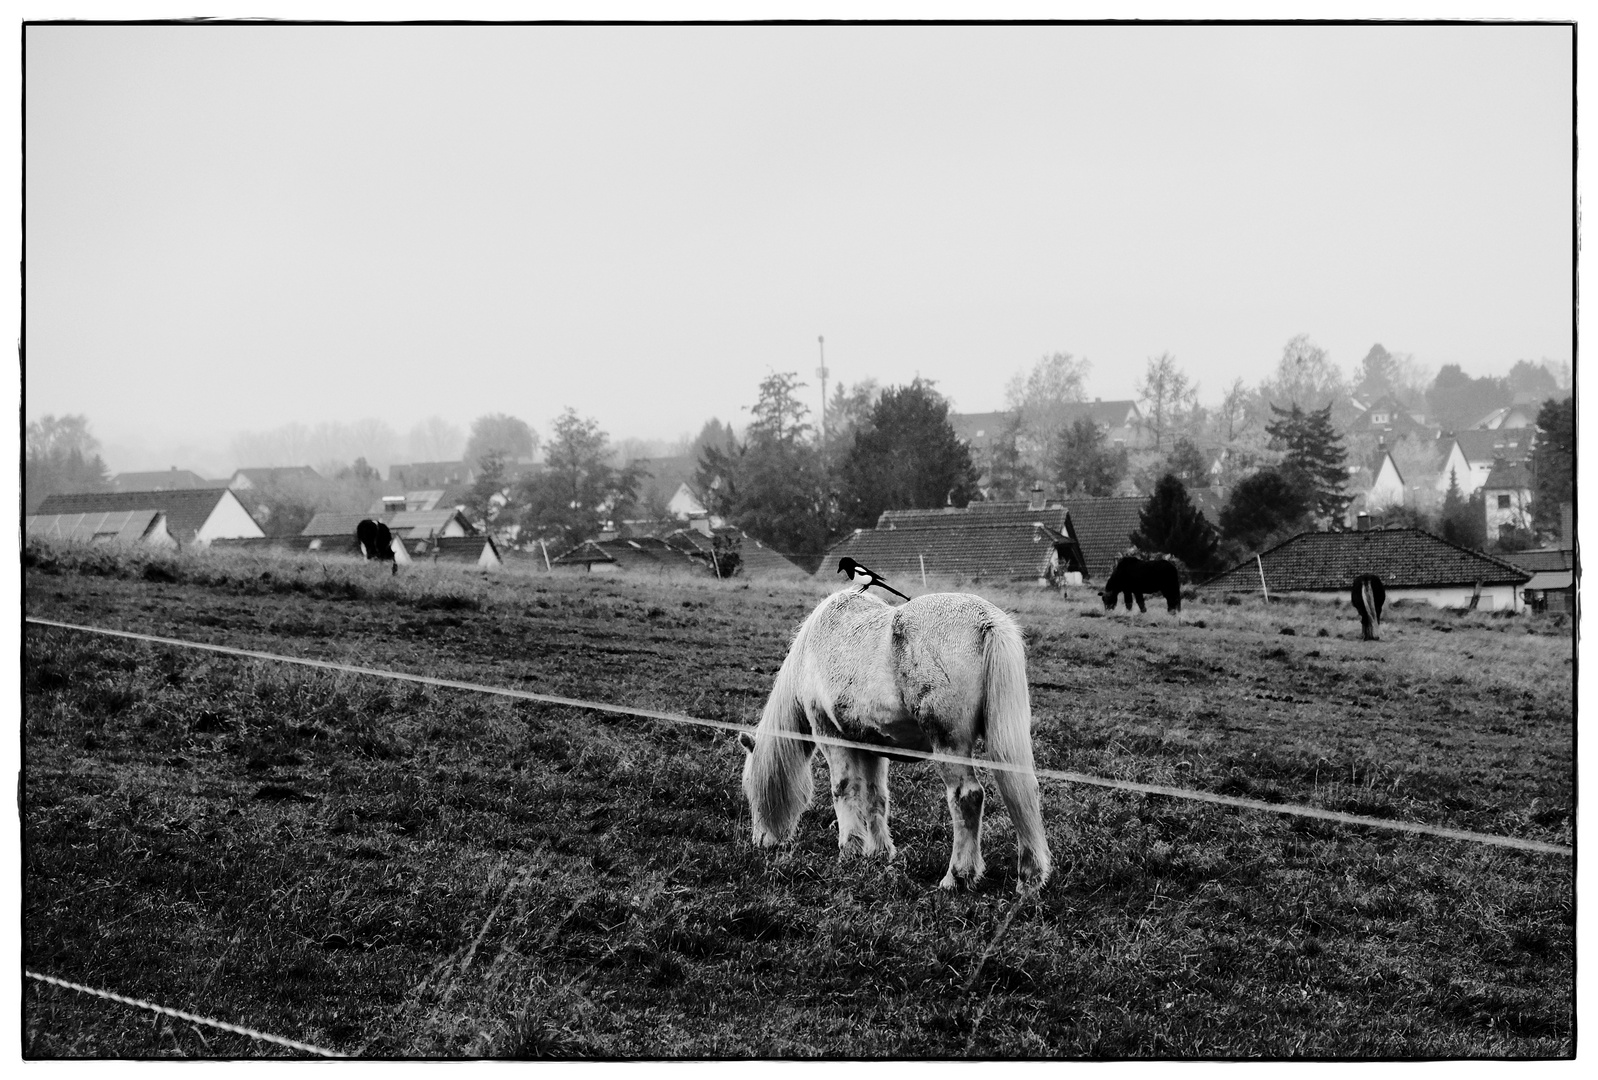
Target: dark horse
(376, 542)
(1369, 595)
(1132, 577)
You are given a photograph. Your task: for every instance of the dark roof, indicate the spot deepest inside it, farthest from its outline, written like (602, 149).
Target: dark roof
(173, 479)
(999, 540)
(277, 473)
(1328, 561)
(1542, 559)
(186, 510)
(1511, 444)
(466, 549)
(1104, 528)
(1508, 476)
(978, 430)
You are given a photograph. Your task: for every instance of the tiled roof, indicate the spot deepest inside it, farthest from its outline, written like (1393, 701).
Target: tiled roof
(1509, 476)
(122, 526)
(1541, 559)
(999, 540)
(996, 551)
(1404, 558)
(1104, 528)
(1480, 447)
(173, 479)
(186, 511)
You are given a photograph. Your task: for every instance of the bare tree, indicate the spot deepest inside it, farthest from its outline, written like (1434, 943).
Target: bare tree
(1166, 394)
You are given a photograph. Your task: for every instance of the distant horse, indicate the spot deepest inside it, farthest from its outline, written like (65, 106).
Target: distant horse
(1369, 594)
(937, 673)
(376, 542)
(1132, 577)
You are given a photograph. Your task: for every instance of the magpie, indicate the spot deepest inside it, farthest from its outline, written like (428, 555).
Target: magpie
(855, 572)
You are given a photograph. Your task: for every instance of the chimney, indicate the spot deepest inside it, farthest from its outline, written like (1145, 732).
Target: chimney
(1036, 502)
(1567, 526)
(1363, 522)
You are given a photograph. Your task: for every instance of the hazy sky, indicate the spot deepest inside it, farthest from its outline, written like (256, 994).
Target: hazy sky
(232, 228)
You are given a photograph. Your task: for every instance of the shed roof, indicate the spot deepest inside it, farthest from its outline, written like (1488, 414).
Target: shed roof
(402, 523)
(186, 510)
(120, 526)
(639, 552)
(1404, 558)
(1552, 579)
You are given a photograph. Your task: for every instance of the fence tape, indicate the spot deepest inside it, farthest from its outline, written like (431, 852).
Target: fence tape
(190, 1017)
(1291, 809)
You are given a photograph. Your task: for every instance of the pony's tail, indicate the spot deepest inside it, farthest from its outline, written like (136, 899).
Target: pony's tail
(1008, 713)
(777, 770)
(1370, 619)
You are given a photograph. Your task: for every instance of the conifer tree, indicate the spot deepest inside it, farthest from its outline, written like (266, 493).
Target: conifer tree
(1316, 453)
(1170, 523)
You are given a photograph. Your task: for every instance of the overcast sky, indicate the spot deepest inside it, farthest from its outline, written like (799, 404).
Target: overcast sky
(233, 228)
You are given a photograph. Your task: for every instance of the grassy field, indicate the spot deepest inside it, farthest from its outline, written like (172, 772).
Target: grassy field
(398, 871)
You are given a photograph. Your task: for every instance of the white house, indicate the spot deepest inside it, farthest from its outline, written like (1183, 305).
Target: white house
(1387, 489)
(1471, 455)
(1507, 493)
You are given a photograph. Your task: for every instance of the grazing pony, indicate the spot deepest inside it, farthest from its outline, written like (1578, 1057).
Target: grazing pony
(1132, 577)
(935, 674)
(376, 542)
(1369, 594)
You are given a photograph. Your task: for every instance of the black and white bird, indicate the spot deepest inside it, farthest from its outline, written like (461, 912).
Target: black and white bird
(867, 578)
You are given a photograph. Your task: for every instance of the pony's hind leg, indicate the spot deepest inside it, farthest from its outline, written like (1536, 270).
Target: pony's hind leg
(860, 799)
(964, 794)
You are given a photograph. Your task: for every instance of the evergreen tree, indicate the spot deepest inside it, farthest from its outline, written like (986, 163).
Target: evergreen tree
(1553, 461)
(1170, 523)
(774, 484)
(1263, 507)
(1315, 453)
(578, 491)
(1186, 461)
(1463, 521)
(909, 459)
(1083, 462)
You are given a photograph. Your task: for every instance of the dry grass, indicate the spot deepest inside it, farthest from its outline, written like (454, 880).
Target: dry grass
(397, 871)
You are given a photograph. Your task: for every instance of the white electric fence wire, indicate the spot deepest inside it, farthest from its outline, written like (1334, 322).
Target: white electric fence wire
(263, 1036)
(1291, 809)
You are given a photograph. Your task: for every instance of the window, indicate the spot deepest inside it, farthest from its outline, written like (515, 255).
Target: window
(1503, 502)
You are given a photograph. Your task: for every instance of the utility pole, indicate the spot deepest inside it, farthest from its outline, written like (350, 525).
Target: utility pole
(821, 373)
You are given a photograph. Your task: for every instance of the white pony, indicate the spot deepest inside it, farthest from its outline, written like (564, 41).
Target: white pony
(936, 674)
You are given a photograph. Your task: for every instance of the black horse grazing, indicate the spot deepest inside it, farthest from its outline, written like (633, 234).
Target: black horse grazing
(376, 542)
(1369, 595)
(1132, 577)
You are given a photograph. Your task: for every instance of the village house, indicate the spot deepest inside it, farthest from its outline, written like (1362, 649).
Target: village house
(1387, 419)
(1507, 494)
(1412, 563)
(173, 479)
(335, 527)
(1040, 541)
(194, 516)
(1471, 455)
(1521, 413)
